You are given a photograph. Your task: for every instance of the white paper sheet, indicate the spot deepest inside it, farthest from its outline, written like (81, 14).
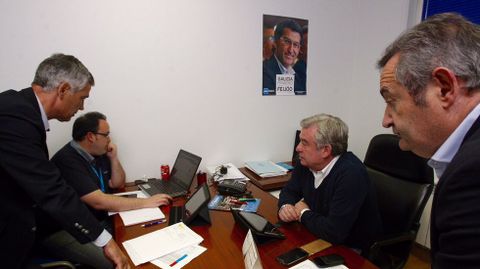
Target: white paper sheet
(159, 243)
(192, 252)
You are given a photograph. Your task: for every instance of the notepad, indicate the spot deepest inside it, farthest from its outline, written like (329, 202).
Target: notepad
(136, 216)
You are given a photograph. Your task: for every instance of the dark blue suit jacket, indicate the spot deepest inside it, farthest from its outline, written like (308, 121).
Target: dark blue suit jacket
(29, 181)
(455, 219)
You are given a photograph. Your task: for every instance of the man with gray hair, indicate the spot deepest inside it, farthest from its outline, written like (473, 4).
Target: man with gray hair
(30, 182)
(430, 80)
(330, 191)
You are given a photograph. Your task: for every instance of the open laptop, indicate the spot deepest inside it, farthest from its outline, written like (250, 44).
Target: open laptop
(181, 177)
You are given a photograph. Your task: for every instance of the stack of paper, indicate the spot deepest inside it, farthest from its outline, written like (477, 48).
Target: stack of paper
(176, 242)
(232, 172)
(266, 168)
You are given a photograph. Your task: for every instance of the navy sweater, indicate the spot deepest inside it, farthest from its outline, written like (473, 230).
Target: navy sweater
(343, 208)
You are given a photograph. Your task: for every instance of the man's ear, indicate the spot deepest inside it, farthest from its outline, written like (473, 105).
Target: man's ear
(90, 136)
(326, 150)
(63, 89)
(447, 82)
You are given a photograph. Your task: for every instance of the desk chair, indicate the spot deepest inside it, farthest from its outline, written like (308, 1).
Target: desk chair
(58, 265)
(403, 184)
(295, 158)
(43, 259)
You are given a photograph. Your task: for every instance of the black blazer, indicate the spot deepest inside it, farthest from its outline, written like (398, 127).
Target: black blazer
(29, 181)
(455, 219)
(270, 71)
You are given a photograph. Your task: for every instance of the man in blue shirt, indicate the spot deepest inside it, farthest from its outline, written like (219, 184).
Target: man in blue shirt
(430, 80)
(90, 165)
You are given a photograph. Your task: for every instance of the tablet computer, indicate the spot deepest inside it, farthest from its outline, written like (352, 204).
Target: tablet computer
(261, 228)
(192, 208)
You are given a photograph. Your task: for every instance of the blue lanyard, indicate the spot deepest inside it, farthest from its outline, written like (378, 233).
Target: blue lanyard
(100, 177)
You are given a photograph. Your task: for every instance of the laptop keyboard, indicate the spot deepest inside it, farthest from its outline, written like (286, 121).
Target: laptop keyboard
(175, 215)
(171, 189)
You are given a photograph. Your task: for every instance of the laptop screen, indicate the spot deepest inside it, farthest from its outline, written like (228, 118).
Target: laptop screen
(184, 168)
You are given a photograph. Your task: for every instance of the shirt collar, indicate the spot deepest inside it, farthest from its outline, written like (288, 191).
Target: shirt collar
(87, 156)
(322, 174)
(284, 69)
(444, 155)
(44, 115)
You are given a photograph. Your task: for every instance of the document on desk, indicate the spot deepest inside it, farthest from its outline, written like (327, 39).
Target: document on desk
(132, 217)
(159, 243)
(190, 253)
(308, 264)
(266, 168)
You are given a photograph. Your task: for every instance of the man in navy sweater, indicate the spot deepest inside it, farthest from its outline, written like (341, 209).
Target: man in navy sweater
(330, 191)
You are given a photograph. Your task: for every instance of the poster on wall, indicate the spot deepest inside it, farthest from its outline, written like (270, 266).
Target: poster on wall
(285, 42)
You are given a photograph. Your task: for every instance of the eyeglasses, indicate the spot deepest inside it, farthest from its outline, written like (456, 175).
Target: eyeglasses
(287, 41)
(103, 134)
(268, 38)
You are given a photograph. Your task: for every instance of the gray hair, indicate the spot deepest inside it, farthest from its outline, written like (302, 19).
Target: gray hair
(447, 40)
(331, 130)
(59, 68)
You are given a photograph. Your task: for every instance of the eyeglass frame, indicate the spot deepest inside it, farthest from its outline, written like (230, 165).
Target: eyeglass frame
(102, 134)
(287, 41)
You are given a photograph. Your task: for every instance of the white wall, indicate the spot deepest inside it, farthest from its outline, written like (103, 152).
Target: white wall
(187, 74)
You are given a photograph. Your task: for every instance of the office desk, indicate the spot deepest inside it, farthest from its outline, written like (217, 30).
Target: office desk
(223, 239)
(267, 183)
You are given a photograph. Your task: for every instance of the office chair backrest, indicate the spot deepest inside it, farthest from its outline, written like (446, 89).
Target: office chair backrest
(384, 154)
(403, 183)
(295, 153)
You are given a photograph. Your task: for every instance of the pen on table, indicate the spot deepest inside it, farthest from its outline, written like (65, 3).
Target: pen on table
(178, 260)
(153, 223)
(247, 199)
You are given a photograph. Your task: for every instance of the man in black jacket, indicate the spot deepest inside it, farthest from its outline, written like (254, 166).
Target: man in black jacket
(29, 181)
(330, 191)
(430, 80)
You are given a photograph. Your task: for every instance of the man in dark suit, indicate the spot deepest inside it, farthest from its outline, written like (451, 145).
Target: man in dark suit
(430, 80)
(288, 39)
(29, 181)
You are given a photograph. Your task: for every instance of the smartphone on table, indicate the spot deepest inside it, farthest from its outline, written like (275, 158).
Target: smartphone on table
(293, 256)
(328, 260)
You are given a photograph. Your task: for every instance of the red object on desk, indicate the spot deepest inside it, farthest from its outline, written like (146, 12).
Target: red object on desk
(201, 178)
(165, 171)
